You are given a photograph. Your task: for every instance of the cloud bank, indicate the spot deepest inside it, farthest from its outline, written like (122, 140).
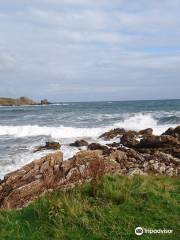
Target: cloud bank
(77, 50)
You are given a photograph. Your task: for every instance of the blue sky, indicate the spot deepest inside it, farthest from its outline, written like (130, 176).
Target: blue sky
(84, 50)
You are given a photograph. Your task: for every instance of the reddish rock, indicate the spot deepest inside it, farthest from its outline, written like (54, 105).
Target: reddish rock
(21, 187)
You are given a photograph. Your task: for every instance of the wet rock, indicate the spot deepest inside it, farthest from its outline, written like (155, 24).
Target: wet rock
(113, 145)
(49, 146)
(113, 133)
(158, 142)
(169, 131)
(129, 139)
(175, 132)
(97, 146)
(147, 131)
(79, 143)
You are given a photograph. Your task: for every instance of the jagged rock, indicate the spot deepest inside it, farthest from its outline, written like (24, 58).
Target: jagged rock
(158, 142)
(129, 139)
(167, 158)
(147, 131)
(97, 146)
(162, 168)
(174, 151)
(170, 171)
(155, 166)
(117, 132)
(21, 187)
(113, 145)
(48, 146)
(79, 143)
(118, 156)
(173, 132)
(152, 155)
(131, 153)
(113, 133)
(135, 171)
(169, 131)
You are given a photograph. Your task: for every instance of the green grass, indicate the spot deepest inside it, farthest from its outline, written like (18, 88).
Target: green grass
(121, 204)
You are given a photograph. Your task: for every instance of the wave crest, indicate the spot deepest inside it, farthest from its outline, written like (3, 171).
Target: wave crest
(136, 122)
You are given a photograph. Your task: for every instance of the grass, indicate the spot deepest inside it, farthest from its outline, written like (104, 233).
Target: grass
(7, 101)
(120, 205)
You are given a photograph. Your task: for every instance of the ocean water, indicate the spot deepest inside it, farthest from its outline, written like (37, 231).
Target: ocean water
(25, 127)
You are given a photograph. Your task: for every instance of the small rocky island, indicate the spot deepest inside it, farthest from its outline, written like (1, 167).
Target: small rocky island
(21, 101)
(133, 153)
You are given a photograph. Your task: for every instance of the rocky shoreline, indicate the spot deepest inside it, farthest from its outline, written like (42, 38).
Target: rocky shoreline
(132, 153)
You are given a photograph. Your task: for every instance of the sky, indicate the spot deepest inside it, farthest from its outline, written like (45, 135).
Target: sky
(88, 50)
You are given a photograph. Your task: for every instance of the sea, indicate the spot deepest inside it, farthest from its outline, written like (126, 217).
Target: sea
(23, 128)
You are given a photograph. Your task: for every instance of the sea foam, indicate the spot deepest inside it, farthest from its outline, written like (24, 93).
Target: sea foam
(136, 122)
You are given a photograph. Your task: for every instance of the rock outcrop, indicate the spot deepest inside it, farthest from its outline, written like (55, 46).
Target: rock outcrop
(146, 132)
(19, 188)
(164, 141)
(113, 133)
(118, 132)
(173, 132)
(79, 143)
(24, 185)
(17, 102)
(48, 146)
(129, 140)
(97, 146)
(25, 101)
(44, 102)
(159, 155)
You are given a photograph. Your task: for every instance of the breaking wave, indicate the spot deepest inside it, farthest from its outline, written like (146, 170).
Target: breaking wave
(136, 122)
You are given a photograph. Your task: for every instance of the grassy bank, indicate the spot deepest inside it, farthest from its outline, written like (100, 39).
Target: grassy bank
(7, 101)
(120, 205)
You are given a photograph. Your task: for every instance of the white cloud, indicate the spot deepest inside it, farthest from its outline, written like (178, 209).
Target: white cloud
(7, 62)
(74, 44)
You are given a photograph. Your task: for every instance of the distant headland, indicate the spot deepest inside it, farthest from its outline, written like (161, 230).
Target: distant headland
(21, 101)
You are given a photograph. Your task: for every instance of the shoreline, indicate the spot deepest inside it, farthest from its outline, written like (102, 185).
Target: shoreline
(136, 153)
